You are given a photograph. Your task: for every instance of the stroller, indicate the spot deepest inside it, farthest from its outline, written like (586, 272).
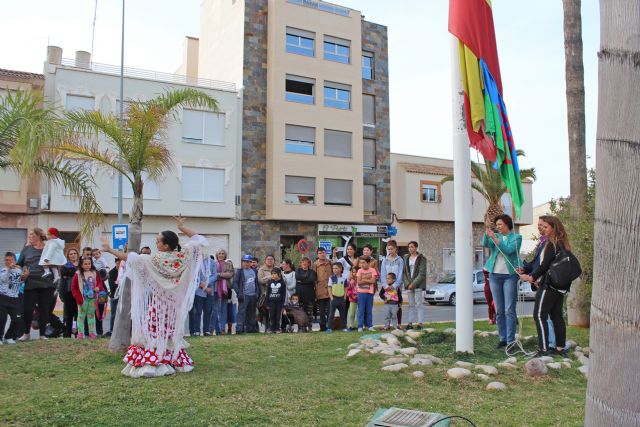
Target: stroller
(295, 316)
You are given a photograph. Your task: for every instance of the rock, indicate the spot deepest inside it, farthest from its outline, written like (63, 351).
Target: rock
(584, 360)
(567, 365)
(388, 352)
(435, 360)
(421, 362)
(546, 359)
(483, 377)
(458, 373)
(451, 331)
(391, 339)
(506, 365)
(578, 354)
(511, 360)
(570, 344)
(376, 350)
(584, 369)
(494, 333)
(586, 351)
(409, 351)
(353, 352)
(554, 365)
(410, 340)
(497, 386)
(535, 368)
(398, 332)
(488, 369)
(566, 359)
(370, 343)
(484, 334)
(395, 368)
(429, 330)
(422, 356)
(578, 348)
(529, 337)
(418, 374)
(414, 334)
(354, 345)
(462, 364)
(393, 361)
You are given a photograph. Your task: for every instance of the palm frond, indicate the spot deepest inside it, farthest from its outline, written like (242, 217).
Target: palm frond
(92, 153)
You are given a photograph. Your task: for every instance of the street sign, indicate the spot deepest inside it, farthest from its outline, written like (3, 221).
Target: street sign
(119, 236)
(326, 244)
(303, 246)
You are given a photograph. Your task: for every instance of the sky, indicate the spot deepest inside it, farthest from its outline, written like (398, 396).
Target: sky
(530, 47)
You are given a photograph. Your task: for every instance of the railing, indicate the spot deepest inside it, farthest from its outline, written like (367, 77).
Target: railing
(320, 5)
(150, 75)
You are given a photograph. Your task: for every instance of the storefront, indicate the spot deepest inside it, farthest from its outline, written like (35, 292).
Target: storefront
(339, 235)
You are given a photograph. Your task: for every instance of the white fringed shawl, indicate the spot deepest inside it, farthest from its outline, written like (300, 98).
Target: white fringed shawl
(162, 291)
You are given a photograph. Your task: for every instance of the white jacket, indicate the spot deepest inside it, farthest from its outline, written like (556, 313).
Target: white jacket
(53, 253)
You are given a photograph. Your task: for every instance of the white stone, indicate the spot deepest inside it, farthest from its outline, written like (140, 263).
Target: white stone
(586, 351)
(395, 368)
(494, 333)
(483, 377)
(570, 344)
(370, 343)
(429, 330)
(376, 350)
(421, 362)
(354, 345)
(546, 359)
(391, 339)
(511, 360)
(422, 356)
(567, 365)
(554, 365)
(484, 334)
(353, 352)
(578, 353)
(487, 369)
(566, 359)
(462, 364)
(477, 332)
(388, 352)
(436, 360)
(451, 331)
(414, 334)
(410, 340)
(496, 386)
(409, 351)
(584, 360)
(584, 369)
(529, 337)
(535, 368)
(458, 373)
(393, 361)
(418, 374)
(506, 365)
(398, 332)
(578, 348)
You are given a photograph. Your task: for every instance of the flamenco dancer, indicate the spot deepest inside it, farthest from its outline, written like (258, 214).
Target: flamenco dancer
(162, 291)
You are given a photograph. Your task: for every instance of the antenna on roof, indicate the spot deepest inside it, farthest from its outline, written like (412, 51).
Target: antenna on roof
(93, 33)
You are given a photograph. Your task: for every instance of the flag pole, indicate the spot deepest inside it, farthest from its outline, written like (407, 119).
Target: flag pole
(462, 210)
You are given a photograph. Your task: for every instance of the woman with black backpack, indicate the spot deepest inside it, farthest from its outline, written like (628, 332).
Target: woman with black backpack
(549, 299)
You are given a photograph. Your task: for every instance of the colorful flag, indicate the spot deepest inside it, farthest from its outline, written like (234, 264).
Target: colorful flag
(471, 22)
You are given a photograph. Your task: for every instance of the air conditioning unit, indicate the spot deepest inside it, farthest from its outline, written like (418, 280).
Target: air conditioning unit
(44, 201)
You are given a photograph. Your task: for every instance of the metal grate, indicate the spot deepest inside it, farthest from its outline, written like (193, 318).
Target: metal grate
(395, 417)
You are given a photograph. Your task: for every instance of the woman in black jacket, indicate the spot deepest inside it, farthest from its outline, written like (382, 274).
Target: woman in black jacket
(70, 308)
(549, 301)
(306, 286)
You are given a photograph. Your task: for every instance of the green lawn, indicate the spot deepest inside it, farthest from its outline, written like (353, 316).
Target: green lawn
(274, 380)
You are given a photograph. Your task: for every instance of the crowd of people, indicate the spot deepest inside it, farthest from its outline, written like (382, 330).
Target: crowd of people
(337, 291)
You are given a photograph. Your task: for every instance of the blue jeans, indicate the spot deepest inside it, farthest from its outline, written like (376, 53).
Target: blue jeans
(219, 317)
(114, 308)
(195, 315)
(504, 288)
(552, 334)
(365, 310)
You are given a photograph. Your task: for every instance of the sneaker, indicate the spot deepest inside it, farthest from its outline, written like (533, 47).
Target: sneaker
(108, 334)
(360, 329)
(80, 336)
(329, 330)
(419, 327)
(92, 336)
(501, 344)
(372, 329)
(346, 330)
(561, 353)
(409, 326)
(43, 338)
(10, 341)
(207, 334)
(24, 338)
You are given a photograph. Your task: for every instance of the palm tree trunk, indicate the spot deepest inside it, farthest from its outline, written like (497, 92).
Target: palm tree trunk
(574, 76)
(121, 336)
(614, 366)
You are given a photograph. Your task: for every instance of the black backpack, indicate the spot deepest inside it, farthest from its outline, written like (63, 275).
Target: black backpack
(564, 269)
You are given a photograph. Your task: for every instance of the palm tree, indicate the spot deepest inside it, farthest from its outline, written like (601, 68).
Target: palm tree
(488, 183)
(613, 385)
(29, 133)
(136, 149)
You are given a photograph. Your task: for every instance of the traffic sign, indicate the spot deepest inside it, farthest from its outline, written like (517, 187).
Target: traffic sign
(119, 236)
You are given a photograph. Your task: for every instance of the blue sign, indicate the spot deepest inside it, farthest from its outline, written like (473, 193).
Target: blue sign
(326, 244)
(119, 236)
(392, 231)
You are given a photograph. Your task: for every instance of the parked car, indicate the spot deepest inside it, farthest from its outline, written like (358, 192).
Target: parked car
(525, 291)
(444, 291)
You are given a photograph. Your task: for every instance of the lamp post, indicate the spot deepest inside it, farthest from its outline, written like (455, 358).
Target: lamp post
(121, 112)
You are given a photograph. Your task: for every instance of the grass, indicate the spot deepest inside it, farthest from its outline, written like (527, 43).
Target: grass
(274, 380)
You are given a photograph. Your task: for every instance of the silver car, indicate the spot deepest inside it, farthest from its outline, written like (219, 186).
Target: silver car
(445, 290)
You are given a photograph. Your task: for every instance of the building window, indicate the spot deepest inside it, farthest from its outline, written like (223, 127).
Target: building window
(202, 184)
(300, 42)
(299, 190)
(80, 103)
(367, 65)
(369, 110)
(337, 192)
(299, 139)
(299, 89)
(337, 143)
(337, 95)
(430, 192)
(369, 199)
(369, 155)
(202, 127)
(336, 49)
(150, 189)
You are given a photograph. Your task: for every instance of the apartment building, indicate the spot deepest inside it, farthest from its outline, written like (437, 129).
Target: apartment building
(315, 137)
(19, 198)
(424, 212)
(205, 179)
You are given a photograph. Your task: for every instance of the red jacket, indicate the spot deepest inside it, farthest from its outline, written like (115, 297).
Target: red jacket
(77, 292)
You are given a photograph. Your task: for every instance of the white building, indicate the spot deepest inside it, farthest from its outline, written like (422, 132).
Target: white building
(204, 184)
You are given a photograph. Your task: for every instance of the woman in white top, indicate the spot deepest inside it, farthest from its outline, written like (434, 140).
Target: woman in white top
(349, 260)
(289, 277)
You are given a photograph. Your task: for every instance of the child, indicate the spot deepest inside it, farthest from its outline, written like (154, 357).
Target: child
(276, 296)
(85, 287)
(389, 294)
(99, 263)
(295, 314)
(53, 254)
(336, 296)
(366, 280)
(352, 296)
(10, 282)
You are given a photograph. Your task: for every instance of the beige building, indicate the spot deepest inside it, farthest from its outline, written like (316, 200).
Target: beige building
(424, 212)
(19, 198)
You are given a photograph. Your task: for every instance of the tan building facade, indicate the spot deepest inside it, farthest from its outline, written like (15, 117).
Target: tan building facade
(19, 198)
